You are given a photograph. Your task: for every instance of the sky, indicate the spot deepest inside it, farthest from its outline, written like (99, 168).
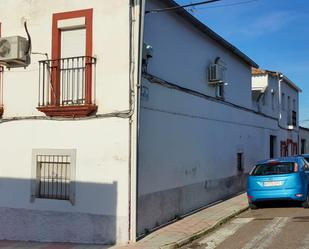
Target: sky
(274, 33)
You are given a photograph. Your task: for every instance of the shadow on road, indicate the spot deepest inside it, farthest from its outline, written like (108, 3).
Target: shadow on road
(280, 204)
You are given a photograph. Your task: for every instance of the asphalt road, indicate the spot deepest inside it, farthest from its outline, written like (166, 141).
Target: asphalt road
(276, 226)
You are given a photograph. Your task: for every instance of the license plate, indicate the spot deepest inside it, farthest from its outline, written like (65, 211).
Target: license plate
(272, 184)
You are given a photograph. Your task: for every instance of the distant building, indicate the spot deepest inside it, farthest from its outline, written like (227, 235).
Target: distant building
(304, 140)
(276, 96)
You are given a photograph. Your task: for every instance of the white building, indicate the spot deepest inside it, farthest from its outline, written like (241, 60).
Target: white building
(198, 137)
(101, 143)
(276, 96)
(304, 140)
(69, 121)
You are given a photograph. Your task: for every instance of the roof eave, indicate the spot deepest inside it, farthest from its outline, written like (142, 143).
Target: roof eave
(291, 84)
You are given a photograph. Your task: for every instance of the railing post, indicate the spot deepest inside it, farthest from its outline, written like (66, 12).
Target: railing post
(88, 80)
(55, 82)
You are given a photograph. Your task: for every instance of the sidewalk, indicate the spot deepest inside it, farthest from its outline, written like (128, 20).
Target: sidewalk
(194, 226)
(170, 236)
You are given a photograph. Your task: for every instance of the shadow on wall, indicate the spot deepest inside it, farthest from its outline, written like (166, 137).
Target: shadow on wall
(158, 208)
(92, 218)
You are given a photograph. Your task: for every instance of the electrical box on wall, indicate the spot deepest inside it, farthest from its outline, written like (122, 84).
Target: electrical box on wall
(14, 51)
(147, 51)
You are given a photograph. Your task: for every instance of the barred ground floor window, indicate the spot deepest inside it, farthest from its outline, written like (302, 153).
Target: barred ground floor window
(53, 174)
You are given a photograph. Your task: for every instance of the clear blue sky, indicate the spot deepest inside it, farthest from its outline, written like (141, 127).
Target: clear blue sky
(274, 33)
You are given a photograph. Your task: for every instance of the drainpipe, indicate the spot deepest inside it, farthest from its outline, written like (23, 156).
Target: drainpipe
(137, 9)
(280, 76)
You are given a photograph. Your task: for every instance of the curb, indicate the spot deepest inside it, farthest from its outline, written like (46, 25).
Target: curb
(202, 232)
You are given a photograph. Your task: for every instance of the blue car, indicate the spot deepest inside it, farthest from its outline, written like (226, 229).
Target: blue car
(306, 156)
(283, 178)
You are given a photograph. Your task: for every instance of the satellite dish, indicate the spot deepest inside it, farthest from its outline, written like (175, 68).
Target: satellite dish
(5, 48)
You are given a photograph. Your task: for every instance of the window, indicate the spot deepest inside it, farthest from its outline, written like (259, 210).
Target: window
(294, 105)
(53, 171)
(272, 146)
(294, 118)
(220, 91)
(303, 146)
(264, 99)
(67, 80)
(274, 168)
(283, 148)
(240, 167)
(289, 103)
(283, 101)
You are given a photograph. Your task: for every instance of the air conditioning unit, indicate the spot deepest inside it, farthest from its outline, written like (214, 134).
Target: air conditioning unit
(216, 74)
(14, 51)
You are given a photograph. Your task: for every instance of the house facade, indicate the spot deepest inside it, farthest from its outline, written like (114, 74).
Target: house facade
(199, 137)
(304, 140)
(115, 122)
(68, 120)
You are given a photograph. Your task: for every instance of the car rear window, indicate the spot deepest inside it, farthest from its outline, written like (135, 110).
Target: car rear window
(273, 169)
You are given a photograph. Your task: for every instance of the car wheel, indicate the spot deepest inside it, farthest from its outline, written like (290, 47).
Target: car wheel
(305, 203)
(253, 206)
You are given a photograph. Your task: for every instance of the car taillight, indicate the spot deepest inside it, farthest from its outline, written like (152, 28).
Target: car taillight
(295, 167)
(250, 197)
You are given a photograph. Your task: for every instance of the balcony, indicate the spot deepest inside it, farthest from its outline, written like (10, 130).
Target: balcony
(67, 87)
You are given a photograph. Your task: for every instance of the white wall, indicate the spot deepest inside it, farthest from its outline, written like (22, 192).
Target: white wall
(265, 106)
(110, 47)
(293, 94)
(182, 54)
(304, 134)
(265, 101)
(188, 144)
(100, 213)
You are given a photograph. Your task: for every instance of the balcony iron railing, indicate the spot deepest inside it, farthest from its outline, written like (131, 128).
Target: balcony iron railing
(67, 81)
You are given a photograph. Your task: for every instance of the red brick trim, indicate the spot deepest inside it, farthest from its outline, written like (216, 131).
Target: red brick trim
(283, 148)
(56, 49)
(286, 145)
(76, 111)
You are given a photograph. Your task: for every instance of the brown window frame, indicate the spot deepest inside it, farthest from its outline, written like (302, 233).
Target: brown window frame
(54, 108)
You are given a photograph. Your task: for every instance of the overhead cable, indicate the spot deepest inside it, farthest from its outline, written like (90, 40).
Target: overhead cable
(180, 7)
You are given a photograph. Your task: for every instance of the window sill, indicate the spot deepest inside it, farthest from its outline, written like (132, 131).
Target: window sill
(75, 111)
